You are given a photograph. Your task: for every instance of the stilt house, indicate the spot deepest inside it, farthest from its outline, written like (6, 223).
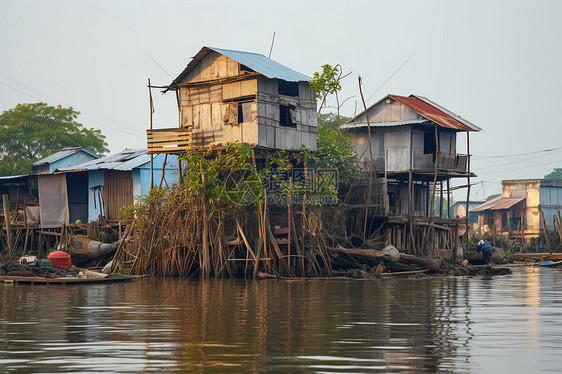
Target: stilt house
(410, 145)
(525, 207)
(233, 96)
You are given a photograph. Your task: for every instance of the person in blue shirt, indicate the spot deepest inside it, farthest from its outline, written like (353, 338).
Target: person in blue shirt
(487, 251)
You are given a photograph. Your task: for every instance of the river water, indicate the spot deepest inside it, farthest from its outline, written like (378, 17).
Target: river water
(463, 325)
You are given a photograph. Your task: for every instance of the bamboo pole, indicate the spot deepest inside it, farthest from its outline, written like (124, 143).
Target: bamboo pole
(8, 222)
(205, 266)
(151, 155)
(431, 202)
(545, 230)
(289, 222)
(370, 158)
(468, 183)
(163, 170)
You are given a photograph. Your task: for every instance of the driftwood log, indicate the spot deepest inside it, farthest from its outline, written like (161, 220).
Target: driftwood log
(373, 254)
(83, 249)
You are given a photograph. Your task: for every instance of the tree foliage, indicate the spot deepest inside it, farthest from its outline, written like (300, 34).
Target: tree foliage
(331, 120)
(336, 151)
(556, 173)
(493, 196)
(30, 132)
(326, 83)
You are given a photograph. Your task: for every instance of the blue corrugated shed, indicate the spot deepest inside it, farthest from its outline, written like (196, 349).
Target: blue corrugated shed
(135, 160)
(125, 160)
(64, 158)
(62, 154)
(255, 61)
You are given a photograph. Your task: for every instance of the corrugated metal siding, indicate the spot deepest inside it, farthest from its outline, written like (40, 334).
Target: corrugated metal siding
(118, 192)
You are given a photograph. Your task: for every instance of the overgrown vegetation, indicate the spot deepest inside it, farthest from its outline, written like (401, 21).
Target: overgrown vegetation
(225, 198)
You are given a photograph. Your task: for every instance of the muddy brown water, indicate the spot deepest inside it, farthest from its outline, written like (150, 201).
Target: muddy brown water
(464, 325)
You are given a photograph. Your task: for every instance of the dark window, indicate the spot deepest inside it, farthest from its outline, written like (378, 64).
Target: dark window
(245, 69)
(288, 88)
(240, 113)
(287, 115)
(429, 145)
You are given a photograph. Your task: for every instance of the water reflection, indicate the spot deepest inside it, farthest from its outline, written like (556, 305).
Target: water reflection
(383, 325)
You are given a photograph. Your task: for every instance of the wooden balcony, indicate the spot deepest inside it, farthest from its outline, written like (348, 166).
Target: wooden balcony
(452, 162)
(171, 141)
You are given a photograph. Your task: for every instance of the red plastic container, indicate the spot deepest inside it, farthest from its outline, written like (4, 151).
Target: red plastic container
(59, 259)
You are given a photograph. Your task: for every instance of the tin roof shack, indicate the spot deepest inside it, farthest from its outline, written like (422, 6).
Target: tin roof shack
(233, 96)
(524, 207)
(111, 182)
(64, 158)
(23, 190)
(412, 143)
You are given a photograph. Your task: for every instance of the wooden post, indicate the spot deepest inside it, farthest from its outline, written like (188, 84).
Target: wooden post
(289, 222)
(431, 202)
(163, 170)
(151, 155)
(468, 183)
(370, 160)
(545, 230)
(8, 220)
(441, 199)
(449, 198)
(205, 268)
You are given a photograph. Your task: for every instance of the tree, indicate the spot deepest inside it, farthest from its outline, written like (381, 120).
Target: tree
(326, 83)
(493, 196)
(331, 120)
(30, 132)
(556, 173)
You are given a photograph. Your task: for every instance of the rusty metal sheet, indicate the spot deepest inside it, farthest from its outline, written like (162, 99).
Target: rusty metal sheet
(429, 110)
(507, 202)
(487, 205)
(499, 203)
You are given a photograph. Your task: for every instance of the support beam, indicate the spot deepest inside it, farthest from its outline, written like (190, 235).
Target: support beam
(8, 221)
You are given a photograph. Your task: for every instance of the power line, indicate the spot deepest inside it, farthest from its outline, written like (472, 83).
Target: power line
(520, 154)
(391, 75)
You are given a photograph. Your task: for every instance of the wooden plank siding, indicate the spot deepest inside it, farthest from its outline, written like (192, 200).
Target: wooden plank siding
(172, 141)
(226, 104)
(118, 192)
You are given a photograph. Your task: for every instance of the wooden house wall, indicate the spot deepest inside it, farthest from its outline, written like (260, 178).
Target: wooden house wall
(204, 108)
(385, 112)
(207, 108)
(271, 133)
(421, 160)
(118, 192)
(212, 66)
(397, 148)
(360, 141)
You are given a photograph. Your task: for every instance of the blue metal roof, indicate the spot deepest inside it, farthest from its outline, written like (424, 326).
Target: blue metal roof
(124, 161)
(263, 65)
(254, 61)
(61, 154)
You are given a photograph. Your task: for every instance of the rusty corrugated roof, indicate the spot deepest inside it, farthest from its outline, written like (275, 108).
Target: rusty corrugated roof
(499, 203)
(487, 205)
(507, 202)
(436, 113)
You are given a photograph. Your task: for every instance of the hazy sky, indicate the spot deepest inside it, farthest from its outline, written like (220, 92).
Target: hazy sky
(497, 64)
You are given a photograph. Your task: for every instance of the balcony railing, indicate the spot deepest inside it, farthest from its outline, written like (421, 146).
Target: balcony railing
(171, 141)
(452, 162)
